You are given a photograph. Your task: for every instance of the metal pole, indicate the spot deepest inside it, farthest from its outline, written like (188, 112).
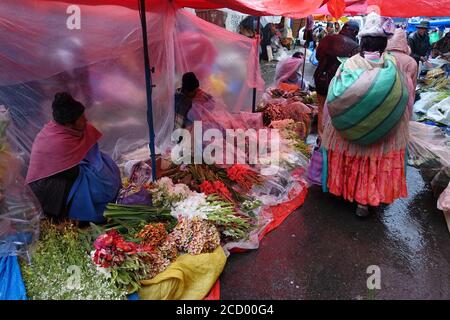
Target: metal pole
(303, 71)
(307, 41)
(149, 88)
(258, 24)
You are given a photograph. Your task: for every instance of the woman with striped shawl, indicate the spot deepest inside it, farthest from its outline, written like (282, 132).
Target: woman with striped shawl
(365, 137)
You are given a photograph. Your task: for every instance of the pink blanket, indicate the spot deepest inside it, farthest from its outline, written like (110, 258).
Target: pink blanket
(58, 148)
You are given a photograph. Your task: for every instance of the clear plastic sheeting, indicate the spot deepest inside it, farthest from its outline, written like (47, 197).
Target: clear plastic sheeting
(428, 151)
(20, 211)
(126, 150)
(444, 200)
(444, 204)
(226, 63)
(102, 66)
(427, 143)
(276, 190)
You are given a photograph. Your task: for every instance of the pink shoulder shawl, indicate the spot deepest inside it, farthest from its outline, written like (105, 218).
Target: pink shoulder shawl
(58, 148)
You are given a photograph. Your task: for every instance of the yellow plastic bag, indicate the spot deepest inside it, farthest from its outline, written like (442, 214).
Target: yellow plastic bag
(188, 278)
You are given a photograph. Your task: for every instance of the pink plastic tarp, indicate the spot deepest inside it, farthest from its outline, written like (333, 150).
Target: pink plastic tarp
(290, 8)
(411, 8)
(102, 66)
(352, 7)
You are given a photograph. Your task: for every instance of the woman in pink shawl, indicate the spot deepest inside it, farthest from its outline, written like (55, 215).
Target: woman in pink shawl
(211, 112)
(287, 75)
(67, 172)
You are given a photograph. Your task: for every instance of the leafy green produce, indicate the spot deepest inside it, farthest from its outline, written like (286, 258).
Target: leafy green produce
(130, 219)
(61, 268)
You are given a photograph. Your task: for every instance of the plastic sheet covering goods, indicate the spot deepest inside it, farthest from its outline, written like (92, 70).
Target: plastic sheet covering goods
(101, 64)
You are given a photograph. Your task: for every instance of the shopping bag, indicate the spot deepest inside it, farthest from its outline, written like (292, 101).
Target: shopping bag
(313, 59)
(315, 167)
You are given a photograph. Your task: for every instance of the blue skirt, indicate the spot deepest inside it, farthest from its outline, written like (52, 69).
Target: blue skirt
(98, 184)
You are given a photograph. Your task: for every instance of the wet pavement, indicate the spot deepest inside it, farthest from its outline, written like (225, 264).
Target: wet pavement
(322, 251)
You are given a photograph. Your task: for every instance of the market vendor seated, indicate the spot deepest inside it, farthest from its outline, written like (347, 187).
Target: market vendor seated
(183, 99)
(287, 75)
(194, 104)
(68, 173)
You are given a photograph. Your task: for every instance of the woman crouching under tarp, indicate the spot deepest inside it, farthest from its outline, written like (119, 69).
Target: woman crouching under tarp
(193, 104)
(365, 140)
(67, 172)
(287, 75)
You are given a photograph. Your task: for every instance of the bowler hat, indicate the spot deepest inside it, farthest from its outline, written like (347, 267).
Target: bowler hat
(423, 25)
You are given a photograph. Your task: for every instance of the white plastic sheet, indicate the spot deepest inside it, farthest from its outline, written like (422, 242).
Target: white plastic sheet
(428, 150)
(102, 66)
(440, 112)
(427, 100)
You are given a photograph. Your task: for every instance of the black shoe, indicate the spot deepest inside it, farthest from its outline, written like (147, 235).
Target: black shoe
(375, 210)
(362, 211)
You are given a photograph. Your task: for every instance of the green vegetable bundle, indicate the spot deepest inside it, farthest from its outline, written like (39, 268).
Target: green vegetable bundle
(227, 221)
(130, 219)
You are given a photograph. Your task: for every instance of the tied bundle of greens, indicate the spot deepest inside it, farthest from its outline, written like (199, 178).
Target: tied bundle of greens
(130, 219)
(215, 210)
(249, 207)
(226, 220)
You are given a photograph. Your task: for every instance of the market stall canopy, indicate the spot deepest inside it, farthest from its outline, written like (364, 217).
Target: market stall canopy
(411, 8)
(289, 8)
(352, 7)
(101, 64)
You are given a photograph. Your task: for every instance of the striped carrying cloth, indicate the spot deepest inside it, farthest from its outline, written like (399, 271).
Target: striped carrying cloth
(366, 100)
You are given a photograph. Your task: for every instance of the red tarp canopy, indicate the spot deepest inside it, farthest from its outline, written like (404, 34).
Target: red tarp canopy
(292, 8)
(352, 7)
(289, 8)
(412, 8)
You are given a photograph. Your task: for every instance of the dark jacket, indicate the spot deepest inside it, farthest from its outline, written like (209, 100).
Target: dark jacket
(266, 37)
(443, 45)
(182, 106)
(420, 45)
(329, 49)
(53, 192)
